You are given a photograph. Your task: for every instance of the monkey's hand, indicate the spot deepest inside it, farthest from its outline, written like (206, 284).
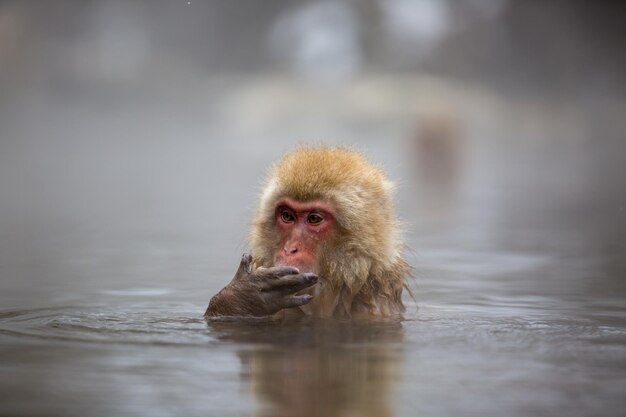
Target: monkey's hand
(261, 292)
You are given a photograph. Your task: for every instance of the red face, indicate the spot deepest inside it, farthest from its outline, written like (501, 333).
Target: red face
(302, 228)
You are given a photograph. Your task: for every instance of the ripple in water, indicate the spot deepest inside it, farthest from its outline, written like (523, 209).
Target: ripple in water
(137, 323)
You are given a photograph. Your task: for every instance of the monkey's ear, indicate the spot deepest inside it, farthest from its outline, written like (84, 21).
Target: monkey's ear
(245, 266)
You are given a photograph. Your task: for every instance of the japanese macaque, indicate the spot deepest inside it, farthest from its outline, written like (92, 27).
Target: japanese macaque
(324, 242)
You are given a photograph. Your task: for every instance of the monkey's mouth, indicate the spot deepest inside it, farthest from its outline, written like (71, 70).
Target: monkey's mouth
(302, 262)
(302, 266)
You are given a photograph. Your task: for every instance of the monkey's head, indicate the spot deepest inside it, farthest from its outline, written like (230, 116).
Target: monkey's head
(328, 211)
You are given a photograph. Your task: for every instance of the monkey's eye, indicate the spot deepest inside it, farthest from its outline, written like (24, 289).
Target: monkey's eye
(287, 216)
(315, 218)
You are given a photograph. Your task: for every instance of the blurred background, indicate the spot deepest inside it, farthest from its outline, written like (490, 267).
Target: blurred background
(134, 139)
(134, 135)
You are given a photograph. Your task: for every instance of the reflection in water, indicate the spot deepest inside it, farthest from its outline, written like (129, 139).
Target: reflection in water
(314, 367)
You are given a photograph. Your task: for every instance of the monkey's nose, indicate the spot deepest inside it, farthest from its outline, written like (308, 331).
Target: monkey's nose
(291, 250)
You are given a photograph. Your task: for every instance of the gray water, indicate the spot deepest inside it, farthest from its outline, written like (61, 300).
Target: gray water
(121, 214)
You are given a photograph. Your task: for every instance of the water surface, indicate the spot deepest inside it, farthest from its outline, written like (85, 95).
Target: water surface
(115, 236)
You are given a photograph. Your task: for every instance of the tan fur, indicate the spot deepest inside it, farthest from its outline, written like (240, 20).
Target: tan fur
(363, 266)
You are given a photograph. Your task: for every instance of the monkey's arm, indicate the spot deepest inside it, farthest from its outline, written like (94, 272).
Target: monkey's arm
(262, 292)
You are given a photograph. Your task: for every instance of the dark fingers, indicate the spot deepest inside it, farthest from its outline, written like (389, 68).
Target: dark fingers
(296, 300)
(279, 271)
(246, 264)
(291, 283)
